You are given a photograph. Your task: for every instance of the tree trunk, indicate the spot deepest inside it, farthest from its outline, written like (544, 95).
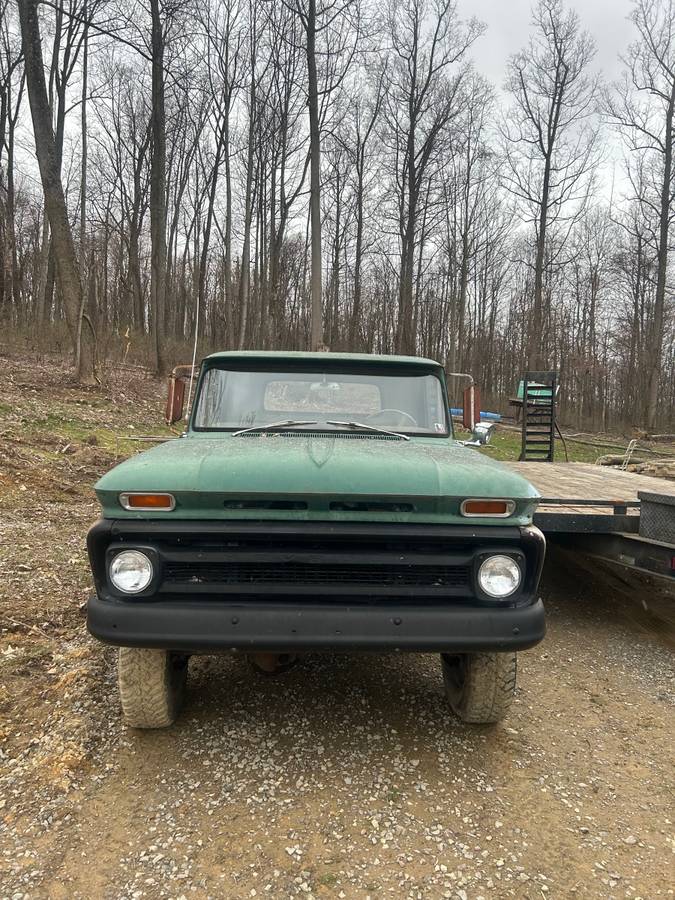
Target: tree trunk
(55, 205)
(13, 117)
(405, 338)
(314, 180)
(358, 260)
(204, 261)
(43, 308)
(134, 263)
(158, 190)
(83, 188)
(227, 261)
(662, 269)
(536, 360)
(245, 275)
(463, 287)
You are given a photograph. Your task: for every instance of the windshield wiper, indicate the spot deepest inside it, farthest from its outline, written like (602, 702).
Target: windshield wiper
(288, 423)
(357, 425)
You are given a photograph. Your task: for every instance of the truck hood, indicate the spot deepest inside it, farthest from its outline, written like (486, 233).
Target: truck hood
(316, 477)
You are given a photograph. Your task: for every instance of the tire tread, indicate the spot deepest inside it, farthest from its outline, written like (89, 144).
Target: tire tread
(488, 689)
(150, 694)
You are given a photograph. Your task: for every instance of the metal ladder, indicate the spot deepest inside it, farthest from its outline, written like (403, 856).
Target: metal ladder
(539, 395)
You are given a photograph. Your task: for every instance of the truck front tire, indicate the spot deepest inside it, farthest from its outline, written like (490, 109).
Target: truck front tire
(151, 685)
(479, 686)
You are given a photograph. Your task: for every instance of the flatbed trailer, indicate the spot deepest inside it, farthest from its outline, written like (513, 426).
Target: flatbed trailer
(616, 516)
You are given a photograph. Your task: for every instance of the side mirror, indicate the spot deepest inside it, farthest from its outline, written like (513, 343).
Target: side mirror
(175, 402)
(482, 434)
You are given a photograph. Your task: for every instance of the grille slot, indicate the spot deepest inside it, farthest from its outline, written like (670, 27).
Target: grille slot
(307, 574)
(312, 562)
(265, 504)
(369, 506)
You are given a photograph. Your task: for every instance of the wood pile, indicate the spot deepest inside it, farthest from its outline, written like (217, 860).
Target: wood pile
(658, 468)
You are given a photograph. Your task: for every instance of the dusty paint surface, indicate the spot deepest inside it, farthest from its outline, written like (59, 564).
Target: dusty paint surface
(423, 479)
(432, 474)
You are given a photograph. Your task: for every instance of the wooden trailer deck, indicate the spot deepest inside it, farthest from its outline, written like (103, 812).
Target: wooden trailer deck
(595, 510)
(582, 497)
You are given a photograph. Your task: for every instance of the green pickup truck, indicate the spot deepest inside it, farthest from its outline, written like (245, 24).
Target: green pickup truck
(316, 501)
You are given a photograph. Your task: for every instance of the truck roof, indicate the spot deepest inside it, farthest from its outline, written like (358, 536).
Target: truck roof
(322, 357)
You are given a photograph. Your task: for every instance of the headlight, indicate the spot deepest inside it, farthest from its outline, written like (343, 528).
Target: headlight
(499, 576)
(131, 571)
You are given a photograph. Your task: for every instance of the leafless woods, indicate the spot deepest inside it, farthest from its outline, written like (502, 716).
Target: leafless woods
(303, 173)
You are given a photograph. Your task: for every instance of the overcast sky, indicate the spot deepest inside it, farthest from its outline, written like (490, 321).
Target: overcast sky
(509, 25)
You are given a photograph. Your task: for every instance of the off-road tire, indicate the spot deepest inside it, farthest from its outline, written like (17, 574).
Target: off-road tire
(151, 685)
(479, 686)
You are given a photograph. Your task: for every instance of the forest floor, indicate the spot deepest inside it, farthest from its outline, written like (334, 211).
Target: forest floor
(347, 777)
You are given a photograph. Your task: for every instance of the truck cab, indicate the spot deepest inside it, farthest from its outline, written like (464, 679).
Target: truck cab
(316, 502)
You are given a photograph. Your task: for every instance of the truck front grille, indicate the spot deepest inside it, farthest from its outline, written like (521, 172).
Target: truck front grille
(312, 562)
(306, 574)
(349, 563)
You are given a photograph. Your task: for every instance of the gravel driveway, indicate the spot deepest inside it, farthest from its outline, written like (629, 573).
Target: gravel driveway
(348, 777)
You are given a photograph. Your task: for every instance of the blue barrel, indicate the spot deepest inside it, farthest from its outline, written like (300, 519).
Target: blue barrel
(488, 416)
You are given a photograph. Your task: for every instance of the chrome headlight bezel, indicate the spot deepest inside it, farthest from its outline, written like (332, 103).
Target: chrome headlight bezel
(510, 564)
(145, 564)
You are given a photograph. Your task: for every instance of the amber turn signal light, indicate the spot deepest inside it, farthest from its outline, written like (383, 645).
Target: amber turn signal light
(137, 501)
(495, 508)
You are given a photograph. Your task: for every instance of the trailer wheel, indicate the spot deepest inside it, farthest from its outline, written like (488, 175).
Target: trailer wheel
(151, 685)
(479, 686)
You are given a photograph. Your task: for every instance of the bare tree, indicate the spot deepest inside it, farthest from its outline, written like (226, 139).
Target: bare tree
(55, 205)
(249, 199)
(644, 109)
(288, 156)
(635, 265)
(469, 175)
(549, 148)
(158, 184)
(122, 172)
(186, 176)
(335, 24)
(309, 23)
(422, 101)
(12, 82)
(365, 114)
(225, 43)
(71, 24)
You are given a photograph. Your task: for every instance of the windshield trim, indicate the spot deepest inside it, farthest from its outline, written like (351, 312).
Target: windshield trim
(337, 367)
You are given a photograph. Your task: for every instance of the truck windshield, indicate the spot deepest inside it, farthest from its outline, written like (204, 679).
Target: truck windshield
(230, 400)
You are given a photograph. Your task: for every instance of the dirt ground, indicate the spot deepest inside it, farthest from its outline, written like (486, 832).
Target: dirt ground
(346, 777)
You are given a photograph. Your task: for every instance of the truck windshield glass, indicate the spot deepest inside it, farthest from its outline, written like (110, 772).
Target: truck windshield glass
(234, 399)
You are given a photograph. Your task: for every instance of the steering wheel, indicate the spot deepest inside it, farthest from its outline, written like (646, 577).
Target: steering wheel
(399, 412)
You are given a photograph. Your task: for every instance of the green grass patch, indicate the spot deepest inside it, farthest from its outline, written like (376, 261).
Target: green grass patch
(505, 445)
(59, 441)
(112, 440)
(75, 429)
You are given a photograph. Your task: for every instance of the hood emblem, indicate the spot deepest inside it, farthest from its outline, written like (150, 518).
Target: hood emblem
(320, 450)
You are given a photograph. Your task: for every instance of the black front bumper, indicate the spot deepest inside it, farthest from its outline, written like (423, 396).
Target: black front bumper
(248, 586)
(192, 625)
